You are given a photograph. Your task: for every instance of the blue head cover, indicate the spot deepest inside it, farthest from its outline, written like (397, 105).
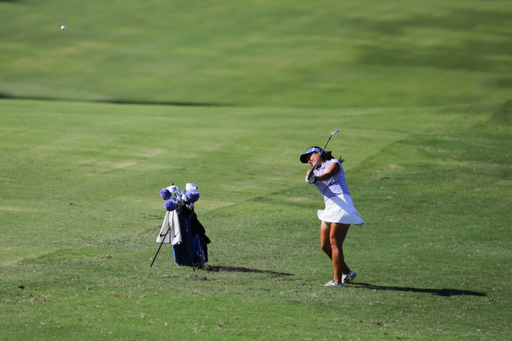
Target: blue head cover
(170, 205)
(165, 194)
(191, 197)
(305, 157)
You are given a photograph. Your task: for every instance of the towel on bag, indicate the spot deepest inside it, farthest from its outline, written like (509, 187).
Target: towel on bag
(171, 223)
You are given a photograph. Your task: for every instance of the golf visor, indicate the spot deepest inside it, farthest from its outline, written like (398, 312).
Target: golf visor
(305, 157)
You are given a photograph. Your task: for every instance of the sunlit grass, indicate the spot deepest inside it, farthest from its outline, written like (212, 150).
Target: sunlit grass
(80, 213)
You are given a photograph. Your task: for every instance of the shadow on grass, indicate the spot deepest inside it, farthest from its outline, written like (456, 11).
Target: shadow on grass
(217, 268)
(439, 292)
(114, 101)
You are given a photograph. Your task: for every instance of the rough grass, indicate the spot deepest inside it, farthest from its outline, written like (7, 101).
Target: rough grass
(80, 212)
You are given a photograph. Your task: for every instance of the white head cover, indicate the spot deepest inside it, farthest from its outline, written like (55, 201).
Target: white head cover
(192, 187)
(174, 189)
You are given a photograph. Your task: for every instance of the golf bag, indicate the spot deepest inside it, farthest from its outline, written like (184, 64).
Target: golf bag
(193, 250)
(182, 229)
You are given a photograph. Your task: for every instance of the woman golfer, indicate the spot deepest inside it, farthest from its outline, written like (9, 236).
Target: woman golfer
(339, 213)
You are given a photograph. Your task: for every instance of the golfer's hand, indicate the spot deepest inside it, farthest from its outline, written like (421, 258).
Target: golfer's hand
(310, 180)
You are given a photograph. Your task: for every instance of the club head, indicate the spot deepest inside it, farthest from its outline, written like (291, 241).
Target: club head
(335, 132)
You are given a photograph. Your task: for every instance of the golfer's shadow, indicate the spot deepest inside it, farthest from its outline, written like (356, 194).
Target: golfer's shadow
(217, 268)
(439, 292)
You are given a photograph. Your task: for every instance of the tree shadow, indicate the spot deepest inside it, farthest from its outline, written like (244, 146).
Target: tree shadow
(439, 292)
(217, 268)
(115, 101)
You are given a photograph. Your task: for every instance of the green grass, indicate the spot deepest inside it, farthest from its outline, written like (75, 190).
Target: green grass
(259, 53)
(80, 212)
(421, 93)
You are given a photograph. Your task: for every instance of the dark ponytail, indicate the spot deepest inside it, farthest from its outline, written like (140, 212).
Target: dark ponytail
(327, 155)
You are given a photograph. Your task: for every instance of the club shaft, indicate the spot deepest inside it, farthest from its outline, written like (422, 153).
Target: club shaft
(323, 150)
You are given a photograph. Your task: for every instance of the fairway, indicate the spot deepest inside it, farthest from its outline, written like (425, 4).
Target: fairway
(81, 210)
(133, 96)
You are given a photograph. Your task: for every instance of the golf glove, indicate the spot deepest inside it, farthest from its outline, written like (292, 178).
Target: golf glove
(310, 180)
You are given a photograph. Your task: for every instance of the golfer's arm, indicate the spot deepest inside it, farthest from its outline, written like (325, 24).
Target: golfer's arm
(332, 171)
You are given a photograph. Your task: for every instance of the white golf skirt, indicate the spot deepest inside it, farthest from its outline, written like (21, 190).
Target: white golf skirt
(340, 209)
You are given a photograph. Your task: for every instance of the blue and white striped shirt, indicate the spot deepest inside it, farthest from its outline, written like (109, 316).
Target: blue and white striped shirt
(337, 185)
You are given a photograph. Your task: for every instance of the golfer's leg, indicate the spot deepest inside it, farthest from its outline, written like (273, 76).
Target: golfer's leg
(325, 242)
(337, 236)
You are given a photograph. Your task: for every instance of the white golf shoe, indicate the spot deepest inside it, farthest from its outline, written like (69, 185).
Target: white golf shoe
(333, 283)
(347, 278)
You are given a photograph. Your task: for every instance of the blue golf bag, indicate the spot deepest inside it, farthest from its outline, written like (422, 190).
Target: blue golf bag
(189, 239)
(193, 250)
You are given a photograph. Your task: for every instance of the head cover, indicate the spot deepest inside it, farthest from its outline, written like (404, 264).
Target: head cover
(191, 197)
(305, 157)
(170, 205)
(191, 187)
(174, 189)
(165, 194)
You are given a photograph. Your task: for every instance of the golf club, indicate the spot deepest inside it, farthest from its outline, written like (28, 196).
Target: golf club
(323, 150)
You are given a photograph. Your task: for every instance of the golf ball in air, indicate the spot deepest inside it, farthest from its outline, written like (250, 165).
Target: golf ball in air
(63, 27)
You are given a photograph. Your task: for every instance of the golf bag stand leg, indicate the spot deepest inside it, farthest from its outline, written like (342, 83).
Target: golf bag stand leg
(162, 243)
